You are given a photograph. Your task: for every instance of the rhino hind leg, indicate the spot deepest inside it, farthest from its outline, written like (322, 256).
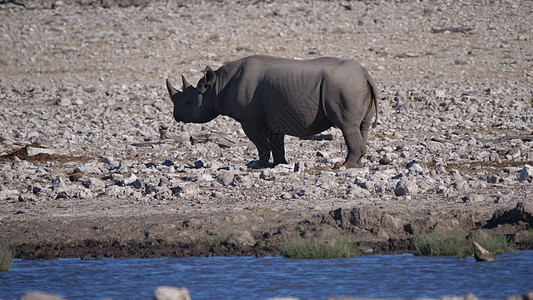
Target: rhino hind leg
(356, 143)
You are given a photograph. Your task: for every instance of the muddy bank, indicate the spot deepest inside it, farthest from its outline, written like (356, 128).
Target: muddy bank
(254, 233)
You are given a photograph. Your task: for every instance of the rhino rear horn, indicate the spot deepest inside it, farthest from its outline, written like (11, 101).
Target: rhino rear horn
(185, 83)
(171, 90)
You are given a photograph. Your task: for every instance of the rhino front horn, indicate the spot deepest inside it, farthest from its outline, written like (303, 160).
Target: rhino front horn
(171, 90)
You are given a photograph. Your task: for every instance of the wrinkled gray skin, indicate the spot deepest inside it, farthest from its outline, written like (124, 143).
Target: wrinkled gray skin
(272, 97)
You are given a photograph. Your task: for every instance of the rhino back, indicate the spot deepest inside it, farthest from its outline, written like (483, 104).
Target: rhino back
(287, 94)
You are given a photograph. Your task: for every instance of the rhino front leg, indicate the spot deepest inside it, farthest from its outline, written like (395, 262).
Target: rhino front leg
(257, 134)
(356, 144)
(277, 145)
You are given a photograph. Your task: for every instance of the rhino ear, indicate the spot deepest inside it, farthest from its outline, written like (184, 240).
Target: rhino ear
(171, 90)
(184, 82)
(209, 76)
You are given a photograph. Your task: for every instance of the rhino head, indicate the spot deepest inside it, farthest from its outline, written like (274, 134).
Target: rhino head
(194, 104)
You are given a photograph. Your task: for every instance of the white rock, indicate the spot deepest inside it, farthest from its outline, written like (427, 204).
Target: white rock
(85, 194)
(90, 88)
(473, 198)
(130, 179)
(326, 183)
(90, 167)
(268, 174)
(185, 189)
(355, 192)
(63, 101)
(207, 177)
(404, 188)
(32, 151)
(94, 184)
(225, 177)
(59, 182)
(170, 293)
(415, 168)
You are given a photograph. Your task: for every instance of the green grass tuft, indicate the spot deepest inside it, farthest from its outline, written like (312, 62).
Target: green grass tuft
(437, 244)
(331, 246)
(459, 244)
(6, 258)
(218, 240)
(495, 244)
(527, 241)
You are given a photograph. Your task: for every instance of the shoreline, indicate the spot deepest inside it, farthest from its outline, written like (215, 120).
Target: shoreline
(372, 230)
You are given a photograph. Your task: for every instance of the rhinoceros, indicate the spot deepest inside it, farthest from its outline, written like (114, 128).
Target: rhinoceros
(272, 97)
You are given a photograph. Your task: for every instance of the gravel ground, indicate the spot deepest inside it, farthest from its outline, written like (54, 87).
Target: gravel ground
(89, 142)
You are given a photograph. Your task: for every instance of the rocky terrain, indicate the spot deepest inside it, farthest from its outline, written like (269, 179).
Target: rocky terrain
(92, 163)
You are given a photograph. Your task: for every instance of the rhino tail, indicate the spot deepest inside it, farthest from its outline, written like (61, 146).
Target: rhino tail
(375, 95)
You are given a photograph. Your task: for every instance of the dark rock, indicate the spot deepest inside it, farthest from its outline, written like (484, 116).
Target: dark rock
(61, 195)
(528, 296)
(35, 189)
(75, 176)
(150, 188)
(136, 184)
(168, 163)
(522, 213)
(367, 218)
(385, 161)
(199, 164)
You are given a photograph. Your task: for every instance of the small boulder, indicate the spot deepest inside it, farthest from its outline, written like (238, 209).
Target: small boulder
(63, 101)
(170, 293)
(32, 151)
(130, 179)
(526, 174)
(471, 296)
(522, 213)
(473, 198)
(93, 183)
(40, 296)
(75, 176)
(225, 177)
(185, 189)
(482, 254)
(528, 296)
(241, 239)
(385, 160)
(404, 188)
(268, 174)
(59, 183)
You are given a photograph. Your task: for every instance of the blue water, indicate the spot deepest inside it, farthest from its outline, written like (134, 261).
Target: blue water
(379, 276)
